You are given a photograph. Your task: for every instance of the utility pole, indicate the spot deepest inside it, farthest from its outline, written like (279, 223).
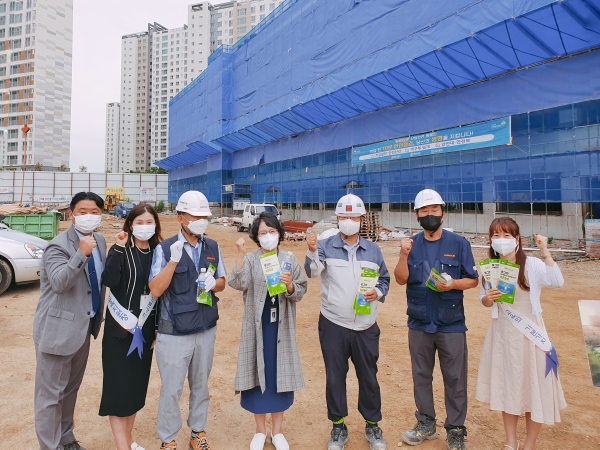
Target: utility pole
(25, 130)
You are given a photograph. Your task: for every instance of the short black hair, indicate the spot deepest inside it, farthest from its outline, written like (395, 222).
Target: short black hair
(86, 196)
(270, 220)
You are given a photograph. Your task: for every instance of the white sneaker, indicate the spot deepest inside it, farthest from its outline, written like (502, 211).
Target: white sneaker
(135, 446)
(279, 442)
(258, 441)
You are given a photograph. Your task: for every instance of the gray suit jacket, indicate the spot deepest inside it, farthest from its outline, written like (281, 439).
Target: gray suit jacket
(251, 363)
(62, 317)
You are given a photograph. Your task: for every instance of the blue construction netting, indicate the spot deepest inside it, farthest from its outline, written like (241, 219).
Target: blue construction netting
(555, 158)
(323, 62)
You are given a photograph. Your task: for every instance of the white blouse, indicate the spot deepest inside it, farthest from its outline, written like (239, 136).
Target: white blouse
(538, 275)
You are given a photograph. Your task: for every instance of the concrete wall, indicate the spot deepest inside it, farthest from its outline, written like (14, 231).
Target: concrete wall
(567, 226)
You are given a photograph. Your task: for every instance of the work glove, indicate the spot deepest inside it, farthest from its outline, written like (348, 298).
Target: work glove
(209, 282)
(176, 251)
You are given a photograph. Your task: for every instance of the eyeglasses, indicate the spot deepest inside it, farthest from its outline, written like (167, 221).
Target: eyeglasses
(266, 232)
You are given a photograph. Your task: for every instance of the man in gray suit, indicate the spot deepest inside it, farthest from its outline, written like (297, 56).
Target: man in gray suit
(69, 311)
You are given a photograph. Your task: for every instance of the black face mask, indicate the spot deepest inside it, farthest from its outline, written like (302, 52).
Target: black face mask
(431, 223)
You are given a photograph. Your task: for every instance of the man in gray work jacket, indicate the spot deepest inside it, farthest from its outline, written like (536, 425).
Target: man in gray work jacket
(343, 333)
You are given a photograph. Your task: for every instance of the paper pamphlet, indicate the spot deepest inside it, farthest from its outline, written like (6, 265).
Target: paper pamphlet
(205, 297)
(435, 277)
(589, 311)
(272, 271)
(368, 281)
(507, 281)
(494, 272)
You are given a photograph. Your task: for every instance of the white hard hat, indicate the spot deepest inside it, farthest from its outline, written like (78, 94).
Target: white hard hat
(194, 203)
(350, 206)
(428, 197)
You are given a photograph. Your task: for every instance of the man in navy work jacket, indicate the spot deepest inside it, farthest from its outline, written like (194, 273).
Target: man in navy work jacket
(186, 328)
(436, 320)
(343, 334)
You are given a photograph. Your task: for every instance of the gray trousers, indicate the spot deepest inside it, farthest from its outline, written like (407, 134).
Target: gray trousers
(452, 352)
(57, 381)
(177, 356)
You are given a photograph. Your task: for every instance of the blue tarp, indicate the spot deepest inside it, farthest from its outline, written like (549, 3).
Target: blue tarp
(324, 62)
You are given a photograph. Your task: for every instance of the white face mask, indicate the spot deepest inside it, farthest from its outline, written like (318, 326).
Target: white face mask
(504, 246)
(144, 232)
(348, 227)
(269, 242)
(87, 223)
(197, 227)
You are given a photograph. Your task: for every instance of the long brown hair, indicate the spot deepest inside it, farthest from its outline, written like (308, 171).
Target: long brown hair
(133, 214)
(508, 225)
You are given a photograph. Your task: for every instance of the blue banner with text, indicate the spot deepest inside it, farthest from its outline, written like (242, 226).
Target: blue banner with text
(479, 135)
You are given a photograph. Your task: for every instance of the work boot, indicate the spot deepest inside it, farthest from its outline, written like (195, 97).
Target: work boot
(73, 446)
(374, 436)
(421, 431)
(168, 445)
(339, 438)
(456, 438)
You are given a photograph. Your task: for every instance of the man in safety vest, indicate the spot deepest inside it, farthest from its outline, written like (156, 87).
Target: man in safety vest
(436, 318)
(186, 326)
(345, 332)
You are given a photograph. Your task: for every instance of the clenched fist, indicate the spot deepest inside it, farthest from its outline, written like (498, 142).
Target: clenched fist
(406, 246)
(541, 241)
(87, 244)
(241, 246)
(121, 238)
(176, 251)
(311, 241)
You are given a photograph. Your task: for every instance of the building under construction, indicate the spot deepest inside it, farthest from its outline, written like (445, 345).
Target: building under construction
(496, 105)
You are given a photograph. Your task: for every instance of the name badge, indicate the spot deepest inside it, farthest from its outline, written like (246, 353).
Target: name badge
(273, 315)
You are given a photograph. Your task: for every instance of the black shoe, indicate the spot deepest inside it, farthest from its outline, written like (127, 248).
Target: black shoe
(339, 438)
(456, 438)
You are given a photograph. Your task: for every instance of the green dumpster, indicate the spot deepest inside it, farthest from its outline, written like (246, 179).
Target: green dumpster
(44, 226)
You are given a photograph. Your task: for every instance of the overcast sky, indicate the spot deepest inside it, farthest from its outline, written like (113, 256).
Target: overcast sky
(97, 30)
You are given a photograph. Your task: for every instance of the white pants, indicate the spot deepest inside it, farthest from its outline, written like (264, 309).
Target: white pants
(177, 356)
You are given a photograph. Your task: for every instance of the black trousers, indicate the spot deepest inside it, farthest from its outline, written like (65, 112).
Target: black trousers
(339, 344)
(452, 352)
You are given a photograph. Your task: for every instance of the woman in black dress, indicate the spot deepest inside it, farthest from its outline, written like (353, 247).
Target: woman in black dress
(126, 372)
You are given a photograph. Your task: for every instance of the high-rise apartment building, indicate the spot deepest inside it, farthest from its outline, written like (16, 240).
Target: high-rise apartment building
(157, 64)
(112, 137)
(36, 41)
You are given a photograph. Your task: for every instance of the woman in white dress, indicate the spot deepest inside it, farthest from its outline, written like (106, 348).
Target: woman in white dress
(512, 370)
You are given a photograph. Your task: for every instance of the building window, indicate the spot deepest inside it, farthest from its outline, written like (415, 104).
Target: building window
(15, 31)
(241, 21)
(551, 209)
(242, 30)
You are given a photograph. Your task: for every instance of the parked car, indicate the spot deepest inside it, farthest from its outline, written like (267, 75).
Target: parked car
(20, 257)
(251, 210)
(123, 209)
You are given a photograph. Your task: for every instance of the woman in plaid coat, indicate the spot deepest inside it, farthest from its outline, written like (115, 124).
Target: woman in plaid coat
(268, 370)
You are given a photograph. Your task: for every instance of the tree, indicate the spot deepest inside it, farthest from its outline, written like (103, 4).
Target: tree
(82, 169)
(61, 168)
(38, 167)
(155, 170)
(108, 171)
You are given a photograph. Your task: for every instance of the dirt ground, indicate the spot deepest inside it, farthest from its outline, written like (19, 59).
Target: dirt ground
(306, 425)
